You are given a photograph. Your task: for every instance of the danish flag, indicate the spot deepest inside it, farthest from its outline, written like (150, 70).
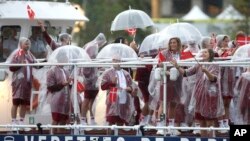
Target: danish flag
(242, 40)
(161, 57)
(80, 87)
(31, 13)
(186, 55)
(113, 94)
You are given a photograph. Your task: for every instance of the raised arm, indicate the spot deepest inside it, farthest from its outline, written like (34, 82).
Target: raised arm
(46, 36)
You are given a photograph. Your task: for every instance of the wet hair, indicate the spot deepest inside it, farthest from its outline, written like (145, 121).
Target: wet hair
(64, 36)
(240, 33)
(178, 43)
(211, 54)
(220, 38)
(205, 41)
(22, 40)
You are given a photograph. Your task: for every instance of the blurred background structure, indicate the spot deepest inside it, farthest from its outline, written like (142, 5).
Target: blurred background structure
(164, 12)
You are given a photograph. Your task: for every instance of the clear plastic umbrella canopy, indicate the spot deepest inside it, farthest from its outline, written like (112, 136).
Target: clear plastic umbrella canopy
(68, 54)
(116, 49)
(131, 18)
(185, 31)
(242, 53)
(93, 46)
(150, 44)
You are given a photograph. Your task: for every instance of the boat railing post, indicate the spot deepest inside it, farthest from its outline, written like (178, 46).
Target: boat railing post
(164, 115)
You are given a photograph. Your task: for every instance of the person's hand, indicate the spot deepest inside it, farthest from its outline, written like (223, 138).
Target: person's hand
(133, 45)
(203, 69)
(174, 63)
(167, 73)
(70, 80)
(65, 83)
(160, 65)
(41, 24)
(134, 92)
(128, 89)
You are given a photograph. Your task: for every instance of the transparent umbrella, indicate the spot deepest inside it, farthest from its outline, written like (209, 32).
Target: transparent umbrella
(185, 31)
(93, 46)
(242, 53)
(124, 51)
(68, 54)
(131, 18)
(150, 44)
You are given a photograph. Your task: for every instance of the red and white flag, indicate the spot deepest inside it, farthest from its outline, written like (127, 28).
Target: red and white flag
(161, 57)
(80, 87)
(186, 55)
(113, 94)
(242, 40)
(31, 13)
(131, 31)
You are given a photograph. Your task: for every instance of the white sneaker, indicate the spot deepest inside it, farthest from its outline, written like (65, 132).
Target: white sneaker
(160, 132)
(24, 128)
(127, 129)
(174, 132)
(143, 120)
(184, 125)
(14, 128)
(196, 132)
(83, 122)
(226, 125)
(142, 123)
(221, 125)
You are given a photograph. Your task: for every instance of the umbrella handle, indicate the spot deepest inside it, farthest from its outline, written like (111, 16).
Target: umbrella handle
(134, 36)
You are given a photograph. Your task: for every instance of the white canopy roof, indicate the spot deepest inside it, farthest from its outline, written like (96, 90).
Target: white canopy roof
(230, 13)
(195, 14)
(43, 10)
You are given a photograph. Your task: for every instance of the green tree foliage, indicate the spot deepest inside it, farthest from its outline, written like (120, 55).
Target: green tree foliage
(243, 6)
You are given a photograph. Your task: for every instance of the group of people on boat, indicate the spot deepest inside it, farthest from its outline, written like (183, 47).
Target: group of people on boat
(200, 96)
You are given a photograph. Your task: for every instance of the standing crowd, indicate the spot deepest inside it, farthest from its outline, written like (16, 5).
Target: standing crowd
(198, 96)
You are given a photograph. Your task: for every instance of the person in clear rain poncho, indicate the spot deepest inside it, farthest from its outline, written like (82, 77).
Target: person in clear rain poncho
(173, 117)
(90, 79)
(118, 84)
(206, 100)
(58, 85)
(227, 80)
(21, 79)
(242, 89)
